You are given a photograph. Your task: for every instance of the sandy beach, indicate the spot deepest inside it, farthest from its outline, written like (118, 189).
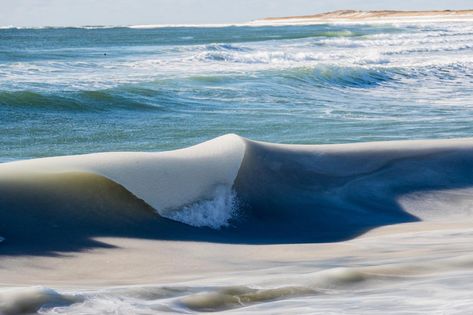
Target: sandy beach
(385, 16)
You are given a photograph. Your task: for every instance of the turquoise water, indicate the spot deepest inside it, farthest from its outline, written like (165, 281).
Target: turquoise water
(78, 90)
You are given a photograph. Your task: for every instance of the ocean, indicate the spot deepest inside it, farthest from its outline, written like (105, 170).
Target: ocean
(78, 90)
(256, 169)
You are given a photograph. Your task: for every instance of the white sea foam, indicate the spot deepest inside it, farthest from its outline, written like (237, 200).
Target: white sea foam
(423, 45)
(423, 283)
(265, 57)
(216, 212)
(29, 300)
(456, 204)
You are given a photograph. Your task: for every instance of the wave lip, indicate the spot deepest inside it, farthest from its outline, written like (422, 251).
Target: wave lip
(166, 181)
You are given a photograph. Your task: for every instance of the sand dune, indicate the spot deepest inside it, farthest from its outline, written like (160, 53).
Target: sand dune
(360, 16)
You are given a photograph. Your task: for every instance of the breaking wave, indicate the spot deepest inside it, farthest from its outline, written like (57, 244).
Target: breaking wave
(245, 191)
(94, 100)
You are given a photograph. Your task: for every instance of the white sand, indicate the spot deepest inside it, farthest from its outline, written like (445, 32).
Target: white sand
(383, 16)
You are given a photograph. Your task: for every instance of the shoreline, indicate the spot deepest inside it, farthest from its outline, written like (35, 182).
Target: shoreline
(355, 16)
(340, 16)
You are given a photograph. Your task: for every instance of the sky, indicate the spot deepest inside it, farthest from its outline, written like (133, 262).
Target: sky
(133, 12)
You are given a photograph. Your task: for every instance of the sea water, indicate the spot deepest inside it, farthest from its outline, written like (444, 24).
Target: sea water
(79, 90)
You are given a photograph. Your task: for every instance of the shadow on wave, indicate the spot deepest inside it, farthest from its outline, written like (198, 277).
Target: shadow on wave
(287, 194)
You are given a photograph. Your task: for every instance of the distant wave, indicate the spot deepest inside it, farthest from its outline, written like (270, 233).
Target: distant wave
(374, 53)
(95, 100)
(291, 70)
(240, 56)
(138, 26)
(156, 95)
(349, 77)
(86, 27)
(143, 26)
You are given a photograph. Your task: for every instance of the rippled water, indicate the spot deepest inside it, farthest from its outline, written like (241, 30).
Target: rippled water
(75, 90)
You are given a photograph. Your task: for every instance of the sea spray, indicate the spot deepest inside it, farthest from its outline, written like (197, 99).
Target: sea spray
(215, 213)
